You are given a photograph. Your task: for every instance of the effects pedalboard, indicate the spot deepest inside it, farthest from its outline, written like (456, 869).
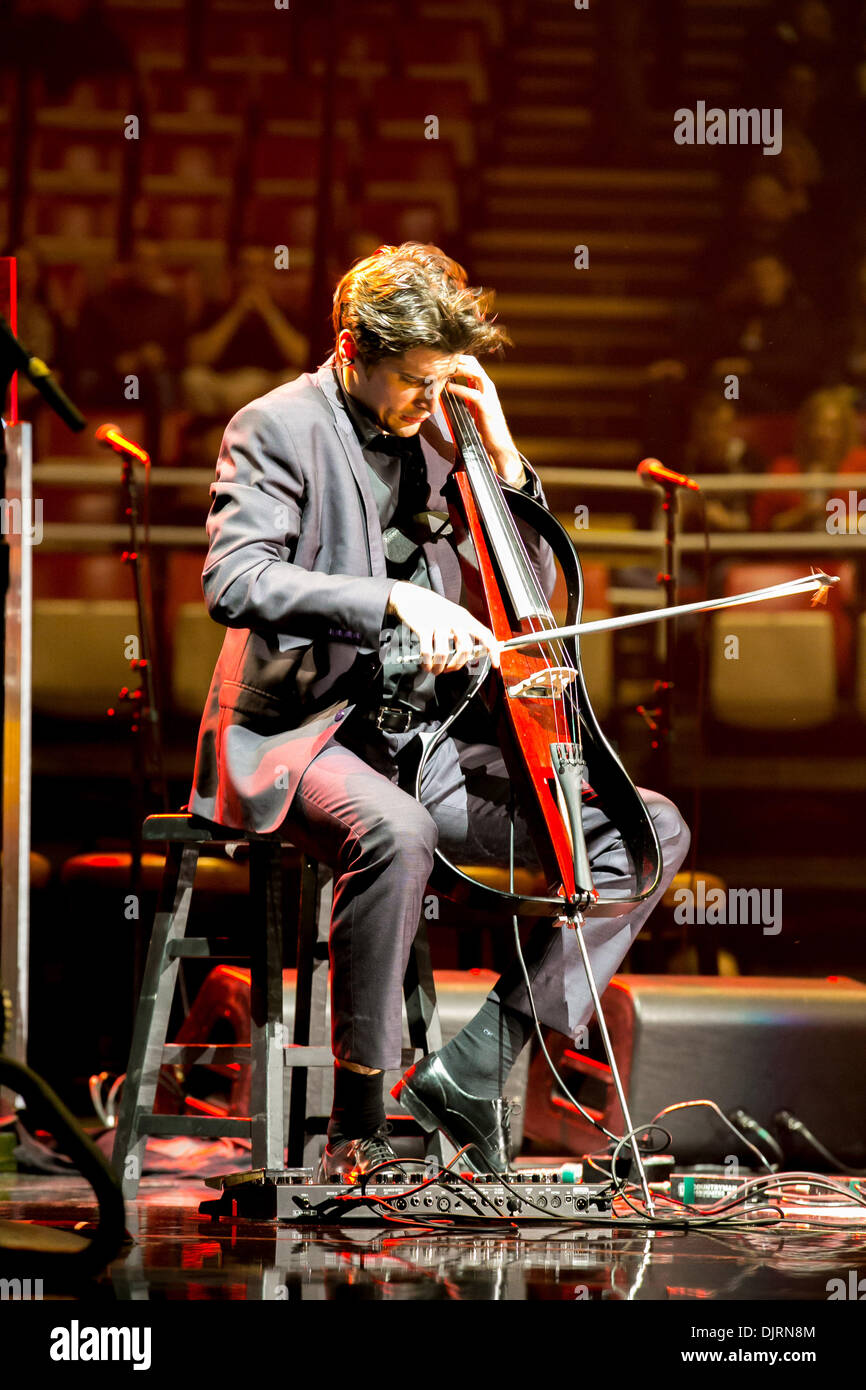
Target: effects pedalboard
(291, 1195)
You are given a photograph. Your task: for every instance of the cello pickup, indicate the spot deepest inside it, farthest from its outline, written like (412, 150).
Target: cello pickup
(545, 684)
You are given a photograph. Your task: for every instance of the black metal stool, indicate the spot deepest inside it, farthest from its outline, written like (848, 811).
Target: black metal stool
(268, 1054)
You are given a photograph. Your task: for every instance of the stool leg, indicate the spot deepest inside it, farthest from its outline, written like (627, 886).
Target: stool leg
(320, 1080)
(267, 1041)
(152, 1016)
(314, 901)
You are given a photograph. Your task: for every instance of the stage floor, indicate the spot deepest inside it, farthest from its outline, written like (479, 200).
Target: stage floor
(176, 1255)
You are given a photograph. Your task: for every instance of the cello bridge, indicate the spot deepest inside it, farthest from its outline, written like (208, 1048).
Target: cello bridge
(546, 684)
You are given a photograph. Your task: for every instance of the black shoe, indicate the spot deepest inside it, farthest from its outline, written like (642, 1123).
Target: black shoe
(353, 1158)
(437, 1102)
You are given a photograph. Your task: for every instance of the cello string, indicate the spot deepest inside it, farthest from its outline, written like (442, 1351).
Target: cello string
(567, 708)
(469, 440)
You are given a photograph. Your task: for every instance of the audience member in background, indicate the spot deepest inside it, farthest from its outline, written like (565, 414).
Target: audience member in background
(799, 170)
(803, 34)
(797, 94)
(819, 185)
(714, 445)
(759, 329)
(132, 328)
(245, 345)
(826, 441)
(766, 334)
(760, 219)
(765, 214)
(851, 351)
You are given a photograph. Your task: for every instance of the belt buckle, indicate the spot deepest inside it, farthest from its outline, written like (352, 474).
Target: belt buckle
(390, 719)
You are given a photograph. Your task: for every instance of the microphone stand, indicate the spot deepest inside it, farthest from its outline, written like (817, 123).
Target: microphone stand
(148, 763)
(660, 719)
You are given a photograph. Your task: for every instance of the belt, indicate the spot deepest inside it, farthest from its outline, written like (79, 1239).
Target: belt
(395, 719)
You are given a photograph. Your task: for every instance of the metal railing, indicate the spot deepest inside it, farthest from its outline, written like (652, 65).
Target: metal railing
(72, 472)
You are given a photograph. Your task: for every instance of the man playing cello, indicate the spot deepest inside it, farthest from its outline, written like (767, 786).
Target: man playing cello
(307, 724)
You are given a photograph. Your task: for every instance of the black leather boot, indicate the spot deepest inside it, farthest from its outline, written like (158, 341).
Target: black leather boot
(437, 1102)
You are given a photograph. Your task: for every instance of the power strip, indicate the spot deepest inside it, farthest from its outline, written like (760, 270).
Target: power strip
(705, 1189)
(292, 1196)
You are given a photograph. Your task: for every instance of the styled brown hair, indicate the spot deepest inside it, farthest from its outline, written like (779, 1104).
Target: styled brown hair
(412, 296)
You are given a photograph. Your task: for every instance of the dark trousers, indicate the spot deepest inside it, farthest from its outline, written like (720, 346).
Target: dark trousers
(351, 813)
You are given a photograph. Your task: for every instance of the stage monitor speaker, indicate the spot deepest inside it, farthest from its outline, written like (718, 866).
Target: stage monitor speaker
(759, 1044)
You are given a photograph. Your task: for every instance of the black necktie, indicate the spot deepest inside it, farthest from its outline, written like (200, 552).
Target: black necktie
(414, 487)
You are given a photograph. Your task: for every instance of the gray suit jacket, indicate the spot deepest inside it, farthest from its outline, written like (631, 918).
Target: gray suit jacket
(296, 572)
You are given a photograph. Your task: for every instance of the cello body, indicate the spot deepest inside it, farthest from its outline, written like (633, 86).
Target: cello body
(554, 749)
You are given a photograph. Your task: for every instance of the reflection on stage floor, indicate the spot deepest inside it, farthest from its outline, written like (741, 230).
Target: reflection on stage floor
(174, 1254)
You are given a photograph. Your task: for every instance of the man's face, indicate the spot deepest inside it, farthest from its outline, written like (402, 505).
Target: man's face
(402, 391)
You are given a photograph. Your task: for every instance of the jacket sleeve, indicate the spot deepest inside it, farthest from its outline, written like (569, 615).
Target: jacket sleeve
(250, 579)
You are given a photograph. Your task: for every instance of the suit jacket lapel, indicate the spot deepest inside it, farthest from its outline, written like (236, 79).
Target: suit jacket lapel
(440, 453)
(325, 381)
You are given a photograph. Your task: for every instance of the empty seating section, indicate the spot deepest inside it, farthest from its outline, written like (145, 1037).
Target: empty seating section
(406, 110)
(79, 661)
(214, 133)
(83, 618)
(773, 670)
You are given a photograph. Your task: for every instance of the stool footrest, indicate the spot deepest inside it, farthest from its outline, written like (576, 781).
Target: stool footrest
(218, 1054)
(297, 1055)
(294, 1055)
(195, 1126)
(202, 948)
(205, 1054)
